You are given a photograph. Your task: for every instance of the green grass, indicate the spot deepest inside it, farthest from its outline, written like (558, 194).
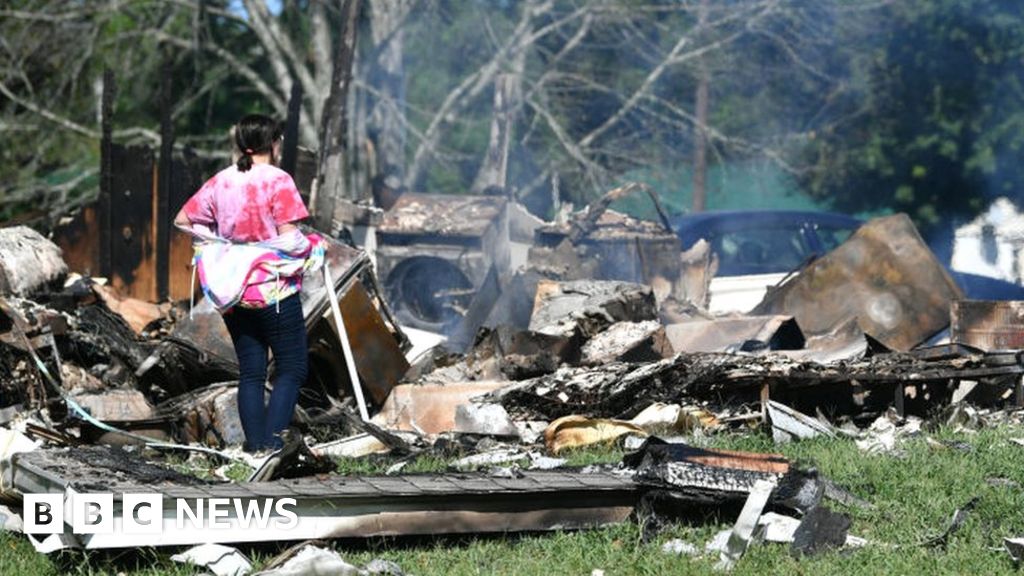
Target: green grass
(377, 465)
(202, 466)
(915, 497)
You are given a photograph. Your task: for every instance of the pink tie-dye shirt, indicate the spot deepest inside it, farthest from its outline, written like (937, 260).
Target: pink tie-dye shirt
(247, 207)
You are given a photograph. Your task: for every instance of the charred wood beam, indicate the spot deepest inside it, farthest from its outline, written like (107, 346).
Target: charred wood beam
(106, 172)
(290, 152)
(163, 216)
(622, 390)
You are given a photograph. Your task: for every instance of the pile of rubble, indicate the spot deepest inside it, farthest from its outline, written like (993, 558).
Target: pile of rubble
(100, 393)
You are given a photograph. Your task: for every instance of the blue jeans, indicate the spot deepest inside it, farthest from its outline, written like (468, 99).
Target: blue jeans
(253, 332)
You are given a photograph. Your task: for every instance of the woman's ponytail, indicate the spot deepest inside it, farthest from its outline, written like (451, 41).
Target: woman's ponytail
(255, 134)
(244, 161)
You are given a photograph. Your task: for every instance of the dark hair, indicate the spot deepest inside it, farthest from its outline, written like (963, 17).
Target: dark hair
(255, 134)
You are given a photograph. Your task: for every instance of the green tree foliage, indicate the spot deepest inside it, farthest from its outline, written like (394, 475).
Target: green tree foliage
(53, 56)
(935, 124)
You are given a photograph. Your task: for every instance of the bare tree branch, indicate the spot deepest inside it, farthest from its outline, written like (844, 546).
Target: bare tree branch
(57, 119)
(278, 103)
(591, 168)
(675, 57)
(475, 83)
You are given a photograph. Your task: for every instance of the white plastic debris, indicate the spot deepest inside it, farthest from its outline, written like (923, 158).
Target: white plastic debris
(679, 547)
(719, 543)
(495, 457)
(882, 435)
(539, 461)
(484, 419)
(219, 559)
(743, 531)
(631, 442)
(1015, 548)
(313, 561)
(530, 431)
(789, 425)
(354, 446)
(52, 542)
(11, 442)
(855, 541)
(777, 528)
(658, 416)
(10, 521)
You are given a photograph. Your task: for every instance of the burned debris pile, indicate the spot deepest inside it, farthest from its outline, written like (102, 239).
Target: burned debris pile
(600, 334)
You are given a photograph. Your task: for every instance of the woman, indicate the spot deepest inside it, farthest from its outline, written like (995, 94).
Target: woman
(250, 258)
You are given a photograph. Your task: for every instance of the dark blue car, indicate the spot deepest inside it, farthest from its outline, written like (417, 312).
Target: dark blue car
(761, 242)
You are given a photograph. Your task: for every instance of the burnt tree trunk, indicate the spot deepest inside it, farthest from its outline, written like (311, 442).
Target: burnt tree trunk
(494, 170)
(290, 151)
(330, 180)
(387, 74)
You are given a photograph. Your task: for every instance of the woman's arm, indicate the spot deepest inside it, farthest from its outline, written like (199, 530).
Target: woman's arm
(286, 228)
(181, 220)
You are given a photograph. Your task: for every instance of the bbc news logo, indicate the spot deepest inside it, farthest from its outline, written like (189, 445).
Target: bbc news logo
(144, 513)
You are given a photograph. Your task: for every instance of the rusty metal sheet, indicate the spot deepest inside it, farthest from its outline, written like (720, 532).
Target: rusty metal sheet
(846, 342)
(989, 325)
(442, 215)
(778, 332)
(379, 361)
(430, 408)
(751, 461)
(884, 276)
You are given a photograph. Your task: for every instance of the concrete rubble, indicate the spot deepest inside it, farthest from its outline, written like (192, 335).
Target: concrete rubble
(574, 348)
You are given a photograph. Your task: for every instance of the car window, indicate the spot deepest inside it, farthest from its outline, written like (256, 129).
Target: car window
(759, 250)
(831, 238)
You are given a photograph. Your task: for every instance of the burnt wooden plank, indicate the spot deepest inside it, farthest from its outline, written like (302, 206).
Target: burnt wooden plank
(131, 225)
(185, 180)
